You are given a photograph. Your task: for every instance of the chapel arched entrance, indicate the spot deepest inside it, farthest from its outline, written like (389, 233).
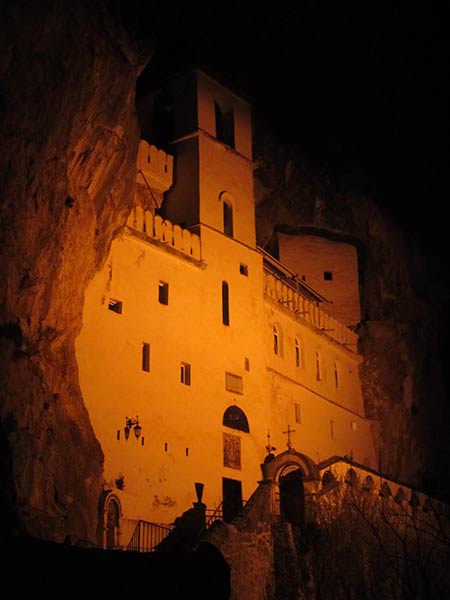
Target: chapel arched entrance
(112, 524)
(109, 520)
(292, 495)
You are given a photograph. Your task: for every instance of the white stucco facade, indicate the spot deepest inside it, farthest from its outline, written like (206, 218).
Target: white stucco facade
(204, 302)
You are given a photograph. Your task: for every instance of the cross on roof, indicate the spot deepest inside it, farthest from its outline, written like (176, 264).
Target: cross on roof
(288, 432)
(269, 446)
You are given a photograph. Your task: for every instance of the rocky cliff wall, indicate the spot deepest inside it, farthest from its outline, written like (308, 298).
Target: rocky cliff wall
(404, 314)
(69, 144)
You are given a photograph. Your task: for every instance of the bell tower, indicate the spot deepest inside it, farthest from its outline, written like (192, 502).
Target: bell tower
(207, 128)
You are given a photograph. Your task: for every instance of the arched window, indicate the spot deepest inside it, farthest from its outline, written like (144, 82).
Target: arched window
(298, 353)
(225, 304)
(336, 374)
(235, 418)
(400, 496)
(385, 491)
(369, 484)
(318, 366)
(277, 340)
(227, 219)
(227, 208)
(327, 478)
(351, 477)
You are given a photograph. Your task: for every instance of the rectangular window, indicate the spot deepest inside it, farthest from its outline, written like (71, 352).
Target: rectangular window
(234, 383)
(247, 364)
(354, 425)
(146, 357)
(332, 432)
(224, 124)
(225, 304)
(298, 414)
(328, 275)
(185, 373)
(243, 269)
(163, 292)
(115, 306)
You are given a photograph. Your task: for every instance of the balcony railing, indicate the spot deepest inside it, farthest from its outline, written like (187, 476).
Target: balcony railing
(281, 292)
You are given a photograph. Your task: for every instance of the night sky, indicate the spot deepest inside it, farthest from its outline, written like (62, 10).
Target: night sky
(359, 86)
(359, 83)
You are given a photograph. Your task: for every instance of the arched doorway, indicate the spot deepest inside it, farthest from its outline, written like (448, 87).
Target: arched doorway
(292, 495)
(112, 524)
(110, 512)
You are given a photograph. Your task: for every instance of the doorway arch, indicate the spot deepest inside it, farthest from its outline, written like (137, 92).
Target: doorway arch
(303, 484)
(110, 513)
(292, 495)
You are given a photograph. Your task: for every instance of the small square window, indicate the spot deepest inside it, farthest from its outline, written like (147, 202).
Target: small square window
(328, 275)
(185, 373)
(163, 292)
(243, 269)
(115, 306)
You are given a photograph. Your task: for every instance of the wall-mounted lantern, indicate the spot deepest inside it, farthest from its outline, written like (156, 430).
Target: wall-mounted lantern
(132, 424)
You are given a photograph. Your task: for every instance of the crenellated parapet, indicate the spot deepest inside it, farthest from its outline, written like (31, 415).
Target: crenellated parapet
(155, 228)
(154, 167)
(277, 290)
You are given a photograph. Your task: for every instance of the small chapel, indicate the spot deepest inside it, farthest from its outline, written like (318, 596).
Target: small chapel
(208, 363)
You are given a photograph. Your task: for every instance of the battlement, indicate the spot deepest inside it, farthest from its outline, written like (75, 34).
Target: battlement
(154, 167)
(292, 300)
(156, 228)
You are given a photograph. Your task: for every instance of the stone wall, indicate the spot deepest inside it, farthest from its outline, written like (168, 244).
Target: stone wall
(70, 140)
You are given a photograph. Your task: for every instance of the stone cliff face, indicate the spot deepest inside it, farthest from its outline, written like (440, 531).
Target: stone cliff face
(70, 140)
(401, 376)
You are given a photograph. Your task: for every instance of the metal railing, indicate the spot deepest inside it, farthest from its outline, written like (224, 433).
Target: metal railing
(213, 514)
(147, 536)
(290, 298)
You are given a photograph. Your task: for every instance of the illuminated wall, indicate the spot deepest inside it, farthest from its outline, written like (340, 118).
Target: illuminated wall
(330, 267)
(180, 326)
